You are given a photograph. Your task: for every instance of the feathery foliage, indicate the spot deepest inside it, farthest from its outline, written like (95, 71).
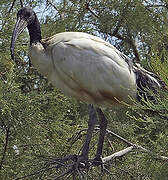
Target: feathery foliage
(38, 121)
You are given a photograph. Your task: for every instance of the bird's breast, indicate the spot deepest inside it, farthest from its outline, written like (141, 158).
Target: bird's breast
(41, 59)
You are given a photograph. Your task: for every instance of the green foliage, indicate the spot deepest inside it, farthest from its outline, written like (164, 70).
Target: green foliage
(37, 120)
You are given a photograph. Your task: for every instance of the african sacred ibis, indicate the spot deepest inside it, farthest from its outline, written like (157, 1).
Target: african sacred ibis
(85, 67)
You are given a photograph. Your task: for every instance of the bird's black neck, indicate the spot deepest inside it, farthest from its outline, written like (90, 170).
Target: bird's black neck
(34, 31)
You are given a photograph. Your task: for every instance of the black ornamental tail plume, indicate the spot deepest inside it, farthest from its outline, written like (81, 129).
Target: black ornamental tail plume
(147, 81)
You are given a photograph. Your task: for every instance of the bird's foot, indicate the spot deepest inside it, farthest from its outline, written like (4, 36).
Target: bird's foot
(74, 161)
(97, 161)
(80, 162)
(83, 162)
(71, 165)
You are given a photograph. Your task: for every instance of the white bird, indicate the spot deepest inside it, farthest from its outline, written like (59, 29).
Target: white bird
(85, 67)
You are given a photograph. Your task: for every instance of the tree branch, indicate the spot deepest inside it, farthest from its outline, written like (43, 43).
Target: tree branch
(55, 7)
(90, 10)
(13, 3)
(21, 3)
(132, 145)
(118, 154)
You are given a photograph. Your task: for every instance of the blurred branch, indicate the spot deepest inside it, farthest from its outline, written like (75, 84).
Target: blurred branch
(90, 10)
(5, 148)
(110, 144)
(13, 3)
(21, 3)
(127, 150)
(7, 15)
(55, 7)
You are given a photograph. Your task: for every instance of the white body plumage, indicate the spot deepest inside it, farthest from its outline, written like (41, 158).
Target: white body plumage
(85, 67)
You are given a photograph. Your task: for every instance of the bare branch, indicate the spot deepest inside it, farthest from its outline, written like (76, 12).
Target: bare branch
(127, 150)
(110, 144)
(118, 154)
(21, 3)
(13, 3)
(125, 141)
(134, 145)
(55, 7)
(90, 10)
(119, 137)
(7, 14)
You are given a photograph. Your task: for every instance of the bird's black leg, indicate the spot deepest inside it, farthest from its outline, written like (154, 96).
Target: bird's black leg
(91, 125)
(103, 126)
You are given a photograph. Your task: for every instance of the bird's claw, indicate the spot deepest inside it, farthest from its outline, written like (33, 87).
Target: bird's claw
(97, 161)
(81, 162)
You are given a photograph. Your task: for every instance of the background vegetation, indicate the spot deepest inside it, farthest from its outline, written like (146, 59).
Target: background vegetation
(37, 120)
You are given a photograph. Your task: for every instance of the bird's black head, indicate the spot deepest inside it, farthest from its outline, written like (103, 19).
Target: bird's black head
(26, 14)
(26, 17)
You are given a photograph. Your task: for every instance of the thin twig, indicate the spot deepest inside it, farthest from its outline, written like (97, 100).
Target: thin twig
(79, 173)
(21, 3)
(76, 136)
(7, 15)
(118, 137)
(63, 174)
(90, 10)
(68, 176)
(110, 144)
(13, 3)
(55, 7)
(43, 169)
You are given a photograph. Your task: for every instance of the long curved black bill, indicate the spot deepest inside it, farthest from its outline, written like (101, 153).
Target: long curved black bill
(18, 29)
